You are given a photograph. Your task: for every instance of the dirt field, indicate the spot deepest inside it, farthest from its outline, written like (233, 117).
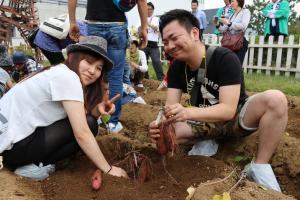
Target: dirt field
(73, 182)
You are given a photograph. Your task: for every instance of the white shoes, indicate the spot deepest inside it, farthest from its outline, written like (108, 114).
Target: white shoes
(115, 128)
(35, 172)
(264, 175)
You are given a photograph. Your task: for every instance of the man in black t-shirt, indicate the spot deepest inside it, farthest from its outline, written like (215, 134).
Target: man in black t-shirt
(222, 108)
(104, 19)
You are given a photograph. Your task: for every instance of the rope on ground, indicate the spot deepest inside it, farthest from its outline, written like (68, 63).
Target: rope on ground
(219, 181)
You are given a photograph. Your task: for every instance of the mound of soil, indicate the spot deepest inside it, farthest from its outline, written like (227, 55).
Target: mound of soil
(73, 181)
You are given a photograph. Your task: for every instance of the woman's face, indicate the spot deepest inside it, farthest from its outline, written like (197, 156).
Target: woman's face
(234, 4)
(90, 70)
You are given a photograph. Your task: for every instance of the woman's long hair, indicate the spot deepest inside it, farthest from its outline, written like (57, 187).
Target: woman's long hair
(93, 92)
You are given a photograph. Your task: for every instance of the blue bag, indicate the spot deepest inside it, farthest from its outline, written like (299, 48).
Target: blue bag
(125, 5)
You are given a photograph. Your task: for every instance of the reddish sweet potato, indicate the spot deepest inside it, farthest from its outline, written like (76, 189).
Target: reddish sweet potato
(97, 180)
(167, 140)
(145, 169)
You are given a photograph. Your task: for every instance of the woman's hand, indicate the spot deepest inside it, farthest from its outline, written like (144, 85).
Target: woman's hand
(117, 171)
(225, 20)
(176, 113)
(106, 108)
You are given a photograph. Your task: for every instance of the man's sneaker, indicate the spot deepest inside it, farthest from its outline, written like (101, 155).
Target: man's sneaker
(33, 172)
(263, 174)
(115, 128)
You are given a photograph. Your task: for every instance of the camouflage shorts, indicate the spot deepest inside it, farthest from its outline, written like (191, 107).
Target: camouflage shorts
(219, 130)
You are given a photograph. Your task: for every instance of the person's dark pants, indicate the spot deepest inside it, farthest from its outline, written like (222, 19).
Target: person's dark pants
(154, 54)
(53, 57)
(241, 55)
(201, 34)
(46, 144)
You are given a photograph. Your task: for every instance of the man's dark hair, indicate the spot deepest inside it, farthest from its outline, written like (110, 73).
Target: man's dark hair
(150, 4)
(195, 1)
(241, 3)
(184, 18)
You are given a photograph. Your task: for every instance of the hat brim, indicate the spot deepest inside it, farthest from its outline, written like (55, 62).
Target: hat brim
(93, 48)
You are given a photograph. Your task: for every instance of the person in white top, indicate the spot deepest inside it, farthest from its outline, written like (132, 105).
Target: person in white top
(52, 114)
(152, 49)
(136, 65)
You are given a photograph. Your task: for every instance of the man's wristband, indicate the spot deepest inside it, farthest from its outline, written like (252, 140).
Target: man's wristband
(109, 169)
(229, 24)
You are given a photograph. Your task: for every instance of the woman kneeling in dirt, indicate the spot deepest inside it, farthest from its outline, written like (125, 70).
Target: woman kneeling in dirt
(52, 114)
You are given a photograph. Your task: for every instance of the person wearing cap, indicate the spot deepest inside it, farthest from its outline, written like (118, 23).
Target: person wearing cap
(136, 65)
(105, 19)
(5, 63)
(57, 113)
(52, 47)
(24, 66)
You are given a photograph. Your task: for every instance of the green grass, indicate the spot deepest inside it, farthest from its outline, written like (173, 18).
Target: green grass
(260, 82)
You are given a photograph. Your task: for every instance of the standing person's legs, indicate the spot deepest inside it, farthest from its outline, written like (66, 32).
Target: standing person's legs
(127, 72)
(241, 55)
(117, 37)
(155, 57)
(147, 53)
(53, 57)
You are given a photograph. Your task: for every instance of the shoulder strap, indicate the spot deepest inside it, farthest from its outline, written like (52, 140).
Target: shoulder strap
(200, 79)
(201, 72)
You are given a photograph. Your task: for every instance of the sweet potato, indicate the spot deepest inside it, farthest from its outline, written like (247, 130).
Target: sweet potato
(167, 140)
(97, 180)
(145, 169)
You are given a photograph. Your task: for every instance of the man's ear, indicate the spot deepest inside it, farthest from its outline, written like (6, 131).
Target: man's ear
(195, 32)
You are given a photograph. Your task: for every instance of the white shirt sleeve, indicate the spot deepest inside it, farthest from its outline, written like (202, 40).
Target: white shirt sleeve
(66, 85)
(241, 22)
(4, 76)
(143, 61)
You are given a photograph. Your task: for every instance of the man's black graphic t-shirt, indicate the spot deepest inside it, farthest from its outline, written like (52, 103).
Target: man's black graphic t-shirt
(223, 69)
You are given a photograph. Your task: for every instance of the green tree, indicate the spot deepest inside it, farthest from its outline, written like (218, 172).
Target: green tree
(257, 20)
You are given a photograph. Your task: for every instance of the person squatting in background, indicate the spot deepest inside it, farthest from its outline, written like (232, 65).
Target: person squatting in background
(136, 65)
(52, 114)
(23, 66)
